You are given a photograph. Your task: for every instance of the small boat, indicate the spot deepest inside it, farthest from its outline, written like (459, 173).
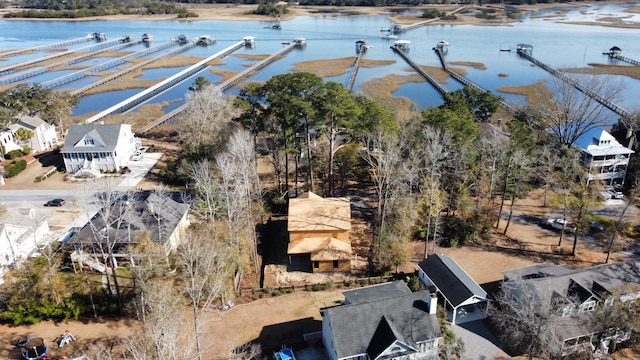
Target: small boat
(389, 36)
(442, 43)
(284, 354)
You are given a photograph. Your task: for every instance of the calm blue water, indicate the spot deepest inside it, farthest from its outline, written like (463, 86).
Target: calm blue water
(556, 43)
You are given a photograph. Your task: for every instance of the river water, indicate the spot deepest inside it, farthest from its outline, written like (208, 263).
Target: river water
(331, 36)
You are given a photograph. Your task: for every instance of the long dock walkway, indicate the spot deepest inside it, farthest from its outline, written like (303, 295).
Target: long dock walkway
(90, 48)
(227, 84)
(137, 66)
(585, 90)
(624, 58)
(432, 80)
(356, 67)
(463, 80)
(31, 72)
(77, 75)
(16, 52)
(397, 28)
(164, 85)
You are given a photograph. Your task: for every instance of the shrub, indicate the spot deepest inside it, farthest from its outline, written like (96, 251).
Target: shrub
(26, 150)
(15, 168)
(13, 154)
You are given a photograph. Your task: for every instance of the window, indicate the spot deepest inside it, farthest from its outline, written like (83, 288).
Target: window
(589, 305)
(88, 141)
(514, 299)
(335, 264)
(316, 264)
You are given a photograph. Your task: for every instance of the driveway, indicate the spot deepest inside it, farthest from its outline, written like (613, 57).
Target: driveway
(479, 343)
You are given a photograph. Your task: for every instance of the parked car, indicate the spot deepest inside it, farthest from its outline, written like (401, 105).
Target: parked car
(136, 156)
(615, 194)
(560, 224)
(55, 202)
(596, 226)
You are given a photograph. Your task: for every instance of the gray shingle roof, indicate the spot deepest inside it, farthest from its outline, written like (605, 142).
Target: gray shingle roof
(139, 213)
(376, 292)
(107, 135)
(354, 326)
(450, 279)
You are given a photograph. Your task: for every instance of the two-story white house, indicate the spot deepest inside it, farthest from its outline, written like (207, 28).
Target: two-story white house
(93, 148)
(605, 157)
(44, 135)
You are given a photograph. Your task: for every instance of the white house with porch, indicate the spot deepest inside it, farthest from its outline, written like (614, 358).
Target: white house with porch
(463, 298)
(92, 148)
(605, 157)
(44, 134)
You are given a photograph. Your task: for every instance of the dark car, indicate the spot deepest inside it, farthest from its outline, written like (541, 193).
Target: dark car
(596, 226)
(55, 202)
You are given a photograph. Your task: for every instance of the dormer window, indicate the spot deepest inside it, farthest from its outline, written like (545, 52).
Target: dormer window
(589, 306)
(88, 141)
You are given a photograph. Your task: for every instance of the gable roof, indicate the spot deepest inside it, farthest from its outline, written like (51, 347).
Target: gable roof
(376, 292)
(31, 122)
(450, 279)
(106, 137)
(386, 335)
(405, 318)
(141, 212)
(589, 142)
(596, 281)
(310, 212)
(321, 248)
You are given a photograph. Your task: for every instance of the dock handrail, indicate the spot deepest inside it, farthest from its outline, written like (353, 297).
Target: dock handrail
(432, 80)
(163, 85)
(592, 94)
(222, 87)
(356, 67)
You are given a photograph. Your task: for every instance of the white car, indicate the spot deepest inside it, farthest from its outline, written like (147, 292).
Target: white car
(136, 156)
(560, 224)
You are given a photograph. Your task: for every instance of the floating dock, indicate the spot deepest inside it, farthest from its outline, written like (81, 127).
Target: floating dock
(525, 51)
(167, 83)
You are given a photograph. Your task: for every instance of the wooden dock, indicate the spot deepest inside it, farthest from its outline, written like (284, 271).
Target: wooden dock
(10, 76)
(137, 66)
(432, 80)
(397, 28)
(625, 59)
(48, 46)
(585, 90)
(158, 88)
(225, 86)
(356, 66)
(463, 80)
(77, 75)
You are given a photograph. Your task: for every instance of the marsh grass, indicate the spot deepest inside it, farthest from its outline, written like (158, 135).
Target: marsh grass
(256, 57)
(336, 67)
(382, 89)
(471, 64)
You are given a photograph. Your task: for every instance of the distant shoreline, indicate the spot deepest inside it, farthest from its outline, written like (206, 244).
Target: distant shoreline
(230, 12)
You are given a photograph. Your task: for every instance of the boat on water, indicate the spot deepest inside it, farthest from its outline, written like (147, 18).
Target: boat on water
(389, 36)
(442, 43)
(284, 354)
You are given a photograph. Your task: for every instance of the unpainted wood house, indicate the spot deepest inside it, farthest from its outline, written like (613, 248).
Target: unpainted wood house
(319, 233)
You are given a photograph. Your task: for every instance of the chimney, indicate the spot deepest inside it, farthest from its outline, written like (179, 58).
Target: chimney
(433, 304)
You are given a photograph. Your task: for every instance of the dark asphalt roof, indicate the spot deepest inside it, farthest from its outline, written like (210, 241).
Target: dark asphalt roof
(376, 292)
(450, 279)
(105, 138)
